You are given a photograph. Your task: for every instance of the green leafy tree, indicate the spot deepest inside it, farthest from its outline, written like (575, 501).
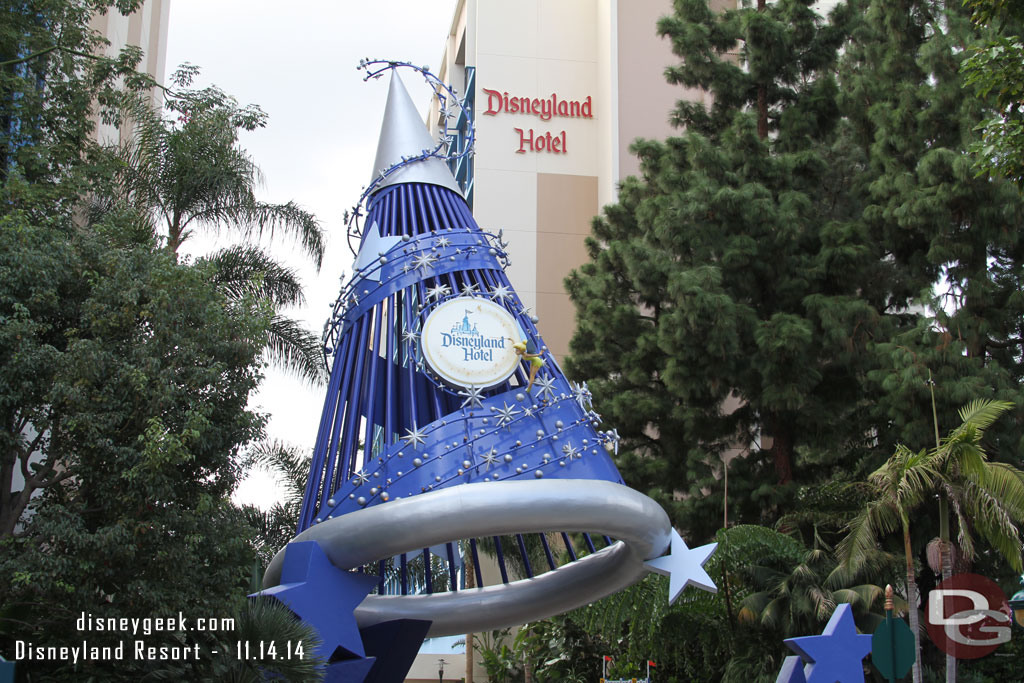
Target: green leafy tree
(995, 69)
(126, 379)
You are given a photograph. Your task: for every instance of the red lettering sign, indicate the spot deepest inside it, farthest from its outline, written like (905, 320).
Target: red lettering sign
(500, 102)
(535, 142)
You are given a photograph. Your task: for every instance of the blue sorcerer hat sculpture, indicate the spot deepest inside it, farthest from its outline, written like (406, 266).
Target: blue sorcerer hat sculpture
(446, 422)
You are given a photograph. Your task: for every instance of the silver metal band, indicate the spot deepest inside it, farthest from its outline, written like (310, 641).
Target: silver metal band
(640, 526)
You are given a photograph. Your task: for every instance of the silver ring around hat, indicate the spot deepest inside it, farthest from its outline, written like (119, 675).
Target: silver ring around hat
(641, 527)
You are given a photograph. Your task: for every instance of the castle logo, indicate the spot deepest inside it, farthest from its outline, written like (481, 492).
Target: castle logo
(467, 342)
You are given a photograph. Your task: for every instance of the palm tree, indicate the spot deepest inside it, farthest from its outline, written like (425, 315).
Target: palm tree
(190, 174)
(276, 527)
(901, 484)
(986, 497)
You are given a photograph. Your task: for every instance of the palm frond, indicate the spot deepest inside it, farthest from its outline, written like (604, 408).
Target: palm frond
(293, 348)
(981, 413)
(289, 463)
(244, 270)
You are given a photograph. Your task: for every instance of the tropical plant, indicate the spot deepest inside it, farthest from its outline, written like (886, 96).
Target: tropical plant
(276, 526)
(901, 485)
(265, 643)
(190, 174)
(985, 497)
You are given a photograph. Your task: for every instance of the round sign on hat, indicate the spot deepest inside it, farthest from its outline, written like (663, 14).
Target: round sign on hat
(967, 616)
(467, 341)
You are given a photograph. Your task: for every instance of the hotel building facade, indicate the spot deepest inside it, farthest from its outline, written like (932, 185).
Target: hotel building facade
(559, 89)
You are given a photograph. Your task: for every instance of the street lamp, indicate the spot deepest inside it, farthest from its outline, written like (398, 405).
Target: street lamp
(440, 671)
(1017, 604)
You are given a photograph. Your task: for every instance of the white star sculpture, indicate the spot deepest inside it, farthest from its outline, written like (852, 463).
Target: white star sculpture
(506, 414)
(438, 292)
(613, 439)
(442, 242)
(471, 288)
(546, 385)
(413, 437)
(360, 478)
(571, 451)
(410, 336)
(490, 458)
(424, 261)
(472, 395)
(500, 293)
(684, 567)
(581, 392)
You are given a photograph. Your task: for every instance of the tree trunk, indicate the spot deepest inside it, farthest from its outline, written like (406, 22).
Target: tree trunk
(912, 603)
(762, 97)
(470, 583)
(781, 450)
(947, 571)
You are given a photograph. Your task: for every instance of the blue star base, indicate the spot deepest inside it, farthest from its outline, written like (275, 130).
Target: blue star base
(349, 671)
(834, 656)
(323, 596)
(394, 644)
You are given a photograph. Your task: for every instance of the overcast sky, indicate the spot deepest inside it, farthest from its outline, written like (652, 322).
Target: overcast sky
(298, 61)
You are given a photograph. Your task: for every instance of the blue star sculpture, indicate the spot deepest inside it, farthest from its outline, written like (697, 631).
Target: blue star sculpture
(684, 567)
(324, 596)
(834, 656)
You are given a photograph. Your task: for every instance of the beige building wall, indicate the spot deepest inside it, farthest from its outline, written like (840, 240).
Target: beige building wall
(544, 201)
(146, 28)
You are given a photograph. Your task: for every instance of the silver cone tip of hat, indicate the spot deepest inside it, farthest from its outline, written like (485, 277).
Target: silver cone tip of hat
(403, 134)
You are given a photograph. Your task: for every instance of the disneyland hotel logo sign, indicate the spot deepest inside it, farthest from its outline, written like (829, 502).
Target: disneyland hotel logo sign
(473, 344)
(467, 342)
(546, 109)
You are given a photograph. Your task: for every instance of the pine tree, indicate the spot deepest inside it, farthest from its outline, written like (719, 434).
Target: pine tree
(734, 293)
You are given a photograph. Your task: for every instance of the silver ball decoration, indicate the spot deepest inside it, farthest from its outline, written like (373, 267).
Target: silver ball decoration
(417, 462)
(331, 502)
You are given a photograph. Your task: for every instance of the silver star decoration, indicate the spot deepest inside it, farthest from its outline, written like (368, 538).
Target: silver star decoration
(406, 267)
(353, 300)
(438, 292)
(571, 451)
(546, 385)
(410, 336)
(613, 439)
(501, 242)
(684, 567)
(458, 251)
(593, 416)
(360, 478)
(442, 241)
(506, 414)
(581, 392)
(472, 395)
(528, 412)
(471, 288)
(424, 261)
(413, 437)
(500, 293)
(490, 458)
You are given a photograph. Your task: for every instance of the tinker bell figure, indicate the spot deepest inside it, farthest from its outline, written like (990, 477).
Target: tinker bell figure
(536, 362)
